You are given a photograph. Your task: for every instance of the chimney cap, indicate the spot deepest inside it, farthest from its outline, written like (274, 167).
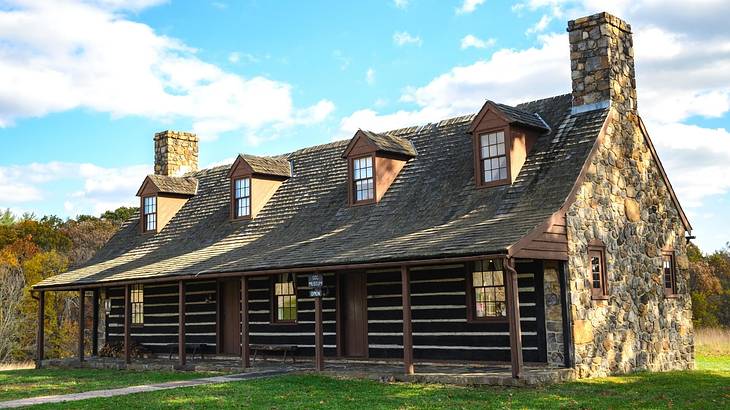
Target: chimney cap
(596, 19)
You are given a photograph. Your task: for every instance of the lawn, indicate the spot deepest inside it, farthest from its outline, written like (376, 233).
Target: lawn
(18, 384)
(706, 388)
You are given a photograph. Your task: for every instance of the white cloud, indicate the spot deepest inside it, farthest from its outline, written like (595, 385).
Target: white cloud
(468, 6)
(370, 76)
(401, 4)
(62, 55)
(402, 38)
(540, 26)
(234, 57)
(99, 188)
(472, 41)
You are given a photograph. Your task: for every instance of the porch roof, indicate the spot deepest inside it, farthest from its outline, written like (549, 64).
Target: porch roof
(432, 210)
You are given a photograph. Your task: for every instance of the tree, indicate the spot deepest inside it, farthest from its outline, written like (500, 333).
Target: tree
(119, 215)
(7, 218)
(11, 300)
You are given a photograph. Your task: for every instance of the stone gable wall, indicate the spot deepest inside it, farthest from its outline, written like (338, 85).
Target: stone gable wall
(625, 203)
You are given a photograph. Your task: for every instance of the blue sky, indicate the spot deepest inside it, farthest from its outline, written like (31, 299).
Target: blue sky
(85, 84)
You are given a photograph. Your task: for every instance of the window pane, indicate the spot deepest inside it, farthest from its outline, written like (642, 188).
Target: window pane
(500, 137)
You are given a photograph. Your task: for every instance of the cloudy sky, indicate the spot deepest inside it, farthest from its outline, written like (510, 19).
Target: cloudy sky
(85, 84)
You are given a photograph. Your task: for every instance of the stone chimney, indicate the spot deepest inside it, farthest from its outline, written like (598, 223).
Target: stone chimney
(602, 63)
(176, 153)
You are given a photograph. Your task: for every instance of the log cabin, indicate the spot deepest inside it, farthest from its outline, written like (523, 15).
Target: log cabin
(540, 232)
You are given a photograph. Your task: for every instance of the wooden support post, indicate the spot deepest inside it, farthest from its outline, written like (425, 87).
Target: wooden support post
(40, 340)
(338, 314)
(181, 354)
(318, 337)
(407, 324)
(95, 322)
(513, 314)
(127, 324)
(82, 323)
(245, 342)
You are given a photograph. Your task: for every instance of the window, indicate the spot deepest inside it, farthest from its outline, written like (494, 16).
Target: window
(242, 203)
(362, 177)
(137, 305)
(285, 298)
(493, 157)
(488, 297)
(598, 274)
(670, 287)
(150, 213)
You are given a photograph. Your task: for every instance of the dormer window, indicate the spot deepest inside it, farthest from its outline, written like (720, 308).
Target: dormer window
(373, 163)
(242, 191)
(150, 213)
(493, 155)
(363, 181)
(503, 137)
(254, 181)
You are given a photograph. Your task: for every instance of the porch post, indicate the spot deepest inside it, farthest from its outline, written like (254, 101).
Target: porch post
(318, 337)
(82, 319)
(181, 354)
(95, 322)
(245, 343)
(407, 326)
(127, 324)
(41, 334)
(513, 314)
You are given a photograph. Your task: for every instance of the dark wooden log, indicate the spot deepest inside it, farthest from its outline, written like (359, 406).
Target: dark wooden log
(40, 341)
(513, 314)
(407, 324)
(181, 354)
(245, 342)
(82, 323)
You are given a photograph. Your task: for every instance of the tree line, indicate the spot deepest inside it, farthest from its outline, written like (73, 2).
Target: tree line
(32, 249)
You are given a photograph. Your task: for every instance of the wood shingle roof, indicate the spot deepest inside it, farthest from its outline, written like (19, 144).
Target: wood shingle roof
(432, 210)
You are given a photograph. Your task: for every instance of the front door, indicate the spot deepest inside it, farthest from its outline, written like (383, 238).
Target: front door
(354, 314)
(230, 322)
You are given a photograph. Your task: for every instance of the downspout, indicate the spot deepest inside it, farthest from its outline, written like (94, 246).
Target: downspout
(567, 322)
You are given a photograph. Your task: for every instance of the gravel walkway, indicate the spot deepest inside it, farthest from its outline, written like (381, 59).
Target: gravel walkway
(137, 389)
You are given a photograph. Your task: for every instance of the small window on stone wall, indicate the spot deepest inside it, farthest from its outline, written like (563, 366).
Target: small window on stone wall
(597, 273)
(668, 272)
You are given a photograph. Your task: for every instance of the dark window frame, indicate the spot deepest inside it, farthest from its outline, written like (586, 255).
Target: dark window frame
(600, 292)
(275, 298)
(236, 198)
(670, 291)
(146, 215)
(136, 298)
(471, 293)
(353, 180)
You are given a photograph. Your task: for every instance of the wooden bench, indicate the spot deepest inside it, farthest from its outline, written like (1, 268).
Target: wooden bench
(192, 348)
(263, 348)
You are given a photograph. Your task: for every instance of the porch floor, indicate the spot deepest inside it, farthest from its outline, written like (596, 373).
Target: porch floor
(456, 373)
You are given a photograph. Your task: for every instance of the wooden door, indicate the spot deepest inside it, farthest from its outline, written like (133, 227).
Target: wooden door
(230, 337)
(354, 314)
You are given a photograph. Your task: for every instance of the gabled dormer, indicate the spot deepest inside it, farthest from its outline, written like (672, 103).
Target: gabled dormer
(373, 162)
(161, 197)
(502, 138)
(254, 180)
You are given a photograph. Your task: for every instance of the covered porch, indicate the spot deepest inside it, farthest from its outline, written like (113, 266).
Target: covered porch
(226, 314)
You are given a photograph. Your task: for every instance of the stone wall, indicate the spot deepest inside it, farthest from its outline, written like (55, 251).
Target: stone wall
(176, 153)
(625, 203)
(553, 315)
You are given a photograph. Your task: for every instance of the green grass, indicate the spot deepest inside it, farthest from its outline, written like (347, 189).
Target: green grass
(706, 388)
(18, 384)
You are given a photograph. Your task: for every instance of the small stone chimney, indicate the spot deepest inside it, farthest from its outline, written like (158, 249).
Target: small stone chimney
(176, 153)
(602, 63)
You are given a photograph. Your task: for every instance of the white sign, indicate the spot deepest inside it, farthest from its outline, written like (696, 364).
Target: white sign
(316, 281)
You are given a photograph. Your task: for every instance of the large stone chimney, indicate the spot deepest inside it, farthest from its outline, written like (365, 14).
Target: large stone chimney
(175, 153)
(602, 63)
